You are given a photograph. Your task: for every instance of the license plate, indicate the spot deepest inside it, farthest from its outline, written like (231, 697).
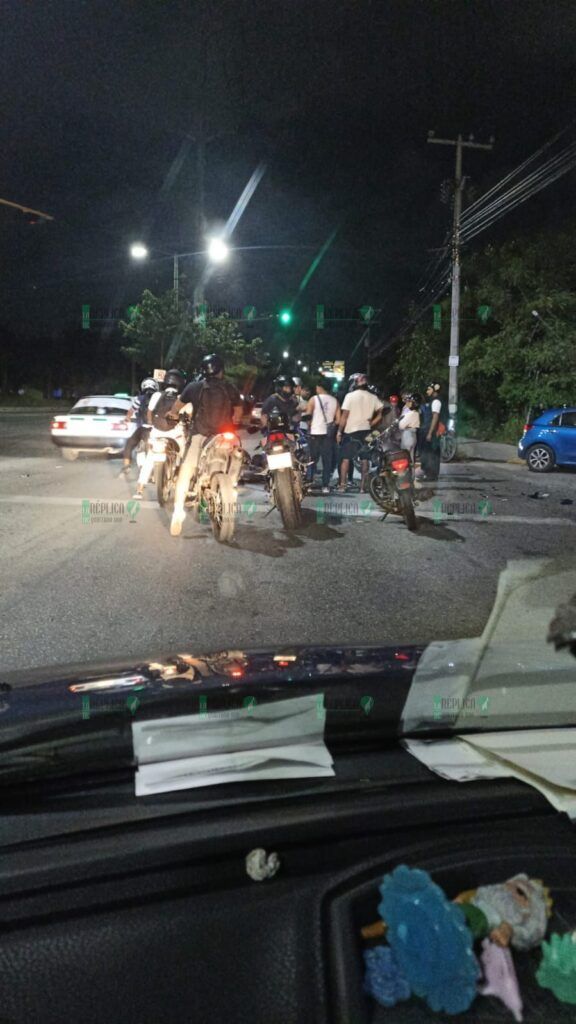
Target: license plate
(283, 460)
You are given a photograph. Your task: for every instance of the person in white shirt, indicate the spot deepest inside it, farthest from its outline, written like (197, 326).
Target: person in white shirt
(361, 411)
(408, 423)
(428, 440)
(324, 411)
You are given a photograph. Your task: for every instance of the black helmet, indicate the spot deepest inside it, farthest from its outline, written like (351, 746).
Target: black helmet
(283, 382)
(174, 380)
(212, 365)
(433, 387)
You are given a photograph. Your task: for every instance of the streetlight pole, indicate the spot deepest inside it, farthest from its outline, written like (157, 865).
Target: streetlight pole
(454, 358)
(176, 280)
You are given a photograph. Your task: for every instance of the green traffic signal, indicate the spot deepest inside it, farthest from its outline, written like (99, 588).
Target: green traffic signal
(285, 317)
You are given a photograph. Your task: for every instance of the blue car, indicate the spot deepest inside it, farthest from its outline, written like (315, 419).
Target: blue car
(550, 440)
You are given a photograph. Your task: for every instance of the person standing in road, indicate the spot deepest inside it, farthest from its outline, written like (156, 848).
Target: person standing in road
(361, 411)
(428, 440)
(409, 423)
(324, 411)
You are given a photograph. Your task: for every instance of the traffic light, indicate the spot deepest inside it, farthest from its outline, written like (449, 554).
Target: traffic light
(285, 317)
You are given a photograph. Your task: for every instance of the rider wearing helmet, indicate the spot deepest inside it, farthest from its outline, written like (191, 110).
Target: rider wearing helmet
(282, 401)
(159, 419)
(360, 411)
(137, 411)
(216, 405)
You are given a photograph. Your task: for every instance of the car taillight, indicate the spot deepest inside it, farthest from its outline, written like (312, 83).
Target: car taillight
(400, 465)
(276, 437)
(527, 427)
(59, 425)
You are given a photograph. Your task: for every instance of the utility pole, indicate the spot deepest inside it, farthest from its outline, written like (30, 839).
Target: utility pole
(454, 357)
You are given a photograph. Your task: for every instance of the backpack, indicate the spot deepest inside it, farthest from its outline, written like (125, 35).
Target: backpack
(143, 403)
(214, 411)
(163, 406)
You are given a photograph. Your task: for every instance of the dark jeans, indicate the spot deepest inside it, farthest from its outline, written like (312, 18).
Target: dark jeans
(322, 447)
(140, 434)
(429, 455)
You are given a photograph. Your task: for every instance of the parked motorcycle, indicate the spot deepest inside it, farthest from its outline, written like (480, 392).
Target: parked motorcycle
(287, 463)
(392, 481)
(448, 443)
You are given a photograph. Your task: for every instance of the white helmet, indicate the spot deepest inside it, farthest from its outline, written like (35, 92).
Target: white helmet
(149, 384)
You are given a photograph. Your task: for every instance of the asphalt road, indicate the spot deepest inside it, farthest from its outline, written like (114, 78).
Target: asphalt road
(82, 583)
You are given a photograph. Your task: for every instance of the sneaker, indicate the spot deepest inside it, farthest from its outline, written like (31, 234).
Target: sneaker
(176, 524)
(138, 493)
(325, 490)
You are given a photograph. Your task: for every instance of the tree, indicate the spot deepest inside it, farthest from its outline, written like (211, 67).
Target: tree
(516, 358)
(161, 335)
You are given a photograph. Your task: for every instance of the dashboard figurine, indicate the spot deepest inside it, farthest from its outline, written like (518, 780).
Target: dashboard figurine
(432, 939)
(500, 977)
(557, 970)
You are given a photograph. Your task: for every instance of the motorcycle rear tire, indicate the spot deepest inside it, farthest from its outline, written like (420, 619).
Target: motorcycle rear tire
(287, 500)
(165, 478)
(407, 508)
(379, 492)
(222, 508)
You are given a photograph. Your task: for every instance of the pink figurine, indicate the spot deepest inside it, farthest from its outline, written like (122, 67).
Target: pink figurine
(500, 977)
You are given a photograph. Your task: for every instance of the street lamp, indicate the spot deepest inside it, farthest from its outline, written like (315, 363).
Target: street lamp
(285, 355)
(218, 251)
(138, 251)
(304, 369)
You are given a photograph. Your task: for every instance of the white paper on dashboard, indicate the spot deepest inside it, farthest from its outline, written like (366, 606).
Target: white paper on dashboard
(283, 739)
(542, 758)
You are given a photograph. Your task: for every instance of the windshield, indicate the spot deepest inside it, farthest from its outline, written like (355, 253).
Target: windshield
(326, 252)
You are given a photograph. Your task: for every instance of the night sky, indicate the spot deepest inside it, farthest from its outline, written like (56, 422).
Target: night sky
(102, 101)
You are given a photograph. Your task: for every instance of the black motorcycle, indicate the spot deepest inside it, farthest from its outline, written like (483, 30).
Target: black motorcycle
(287, 463)
(392, 477)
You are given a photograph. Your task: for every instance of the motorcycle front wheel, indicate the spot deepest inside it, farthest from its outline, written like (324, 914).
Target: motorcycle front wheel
(407, 509)
(221, 508)
(165, 473)
(287, 499)
(448, 447)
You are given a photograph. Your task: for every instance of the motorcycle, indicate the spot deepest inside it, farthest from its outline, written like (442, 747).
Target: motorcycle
(392, 481)
(287, 459)
(448, 443)
(166, 450)
(219, 468)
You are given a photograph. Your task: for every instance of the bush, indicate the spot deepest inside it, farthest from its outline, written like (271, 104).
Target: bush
(32, 396)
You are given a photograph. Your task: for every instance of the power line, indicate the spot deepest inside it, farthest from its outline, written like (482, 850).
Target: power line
(517, 170)
(533, 182)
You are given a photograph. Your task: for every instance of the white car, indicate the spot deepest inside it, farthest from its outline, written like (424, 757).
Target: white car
(95, 424)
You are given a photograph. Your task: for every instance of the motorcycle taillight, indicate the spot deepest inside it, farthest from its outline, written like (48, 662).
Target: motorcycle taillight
(400, 465)
(276, 437)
